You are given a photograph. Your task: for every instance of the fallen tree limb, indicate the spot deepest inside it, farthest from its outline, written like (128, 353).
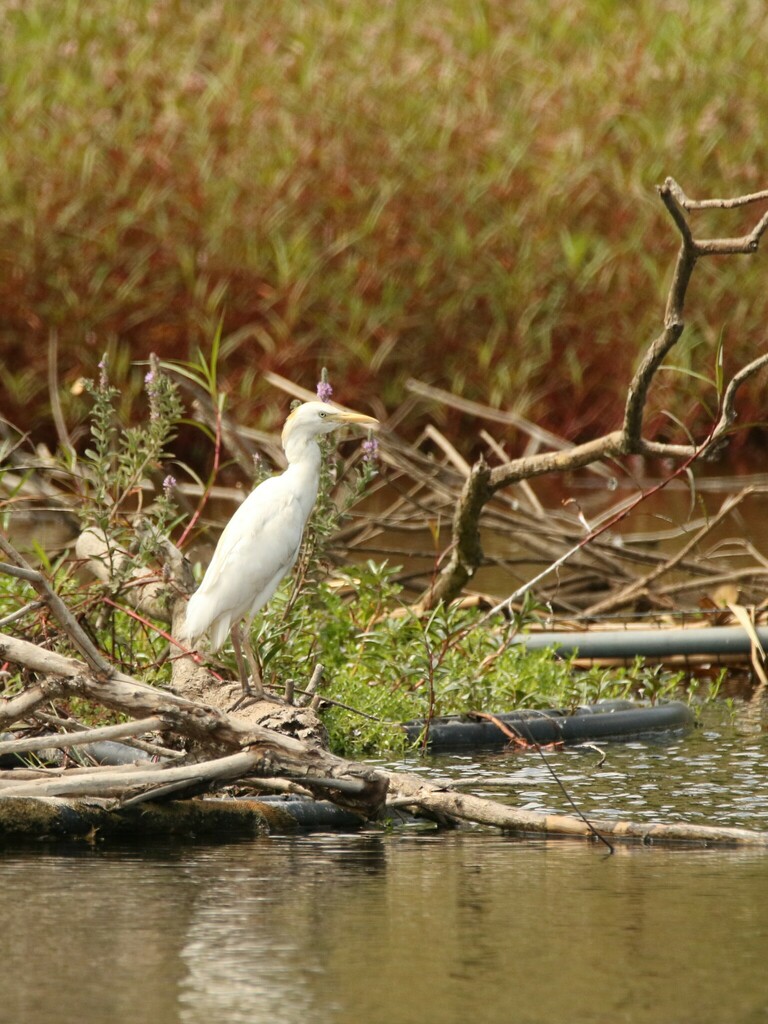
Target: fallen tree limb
(92, 818)
(121, 783)
(210, 729)
(71, 725)
(32, 812)
(13, 776)
(233, 750)
(419, 795)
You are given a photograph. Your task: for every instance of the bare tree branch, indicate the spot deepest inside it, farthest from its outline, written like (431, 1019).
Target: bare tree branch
(709, 204)
(480, 487)
(30, 744)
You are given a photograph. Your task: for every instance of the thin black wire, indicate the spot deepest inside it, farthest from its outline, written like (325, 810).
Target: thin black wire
(520, 726)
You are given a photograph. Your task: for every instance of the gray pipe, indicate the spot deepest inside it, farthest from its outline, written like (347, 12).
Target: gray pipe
(650, 643)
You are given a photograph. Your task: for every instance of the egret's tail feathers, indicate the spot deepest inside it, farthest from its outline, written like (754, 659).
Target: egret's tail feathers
(219, 632)
(198, 623)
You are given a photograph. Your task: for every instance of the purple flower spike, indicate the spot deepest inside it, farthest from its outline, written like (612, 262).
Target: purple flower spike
(168, 484)
(324, 391)
(370, 450)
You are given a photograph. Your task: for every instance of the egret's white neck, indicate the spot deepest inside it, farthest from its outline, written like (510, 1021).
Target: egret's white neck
(303, 455)
(302, 450)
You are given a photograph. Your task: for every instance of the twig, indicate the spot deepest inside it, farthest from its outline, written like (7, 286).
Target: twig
(442, 442)
(65, 440)
(33, 606)
(77, 739)
(502, 416)
(311, 689)
(21, 570)
(162, 792)
(708, 204)
(625, 595)
(204, 498)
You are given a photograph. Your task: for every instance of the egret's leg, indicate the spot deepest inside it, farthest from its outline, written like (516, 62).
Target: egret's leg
(257, 686)
(235, 634)
(241, 642)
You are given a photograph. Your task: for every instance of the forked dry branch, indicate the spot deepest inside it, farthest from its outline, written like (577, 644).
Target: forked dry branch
(466, 553)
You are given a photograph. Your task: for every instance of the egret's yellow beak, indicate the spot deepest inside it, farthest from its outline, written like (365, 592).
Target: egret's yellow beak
(358, 418)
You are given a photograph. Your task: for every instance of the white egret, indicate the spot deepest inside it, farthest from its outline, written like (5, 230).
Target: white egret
(261, 541)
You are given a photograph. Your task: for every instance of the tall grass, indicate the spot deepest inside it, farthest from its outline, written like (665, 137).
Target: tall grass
(459, 190)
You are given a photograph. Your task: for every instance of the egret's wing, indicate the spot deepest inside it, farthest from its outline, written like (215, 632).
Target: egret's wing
(257, 548)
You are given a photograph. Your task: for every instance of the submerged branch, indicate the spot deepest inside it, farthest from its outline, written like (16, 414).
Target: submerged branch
(417, 793)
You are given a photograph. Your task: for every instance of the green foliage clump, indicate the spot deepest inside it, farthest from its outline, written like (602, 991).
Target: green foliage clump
(384, 665)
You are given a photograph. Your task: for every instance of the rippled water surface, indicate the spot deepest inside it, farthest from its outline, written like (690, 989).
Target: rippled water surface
(717, 773)
(413, 925)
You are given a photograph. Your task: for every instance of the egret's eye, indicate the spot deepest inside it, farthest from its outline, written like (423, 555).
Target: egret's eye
(322, 415)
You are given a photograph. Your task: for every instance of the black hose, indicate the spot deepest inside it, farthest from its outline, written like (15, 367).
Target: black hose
(608, 720)
(312, 814)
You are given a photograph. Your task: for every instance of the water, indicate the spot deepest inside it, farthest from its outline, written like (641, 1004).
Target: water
(413, 925)
(716, 774)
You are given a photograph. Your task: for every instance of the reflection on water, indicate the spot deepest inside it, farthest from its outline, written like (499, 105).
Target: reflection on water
(414, 926)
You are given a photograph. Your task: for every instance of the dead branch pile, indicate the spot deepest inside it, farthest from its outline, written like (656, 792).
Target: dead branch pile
(199, 747)
(220, 750)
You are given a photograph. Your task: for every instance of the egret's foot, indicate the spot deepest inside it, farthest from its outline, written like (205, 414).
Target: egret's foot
(251, 696)
(242, 701)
